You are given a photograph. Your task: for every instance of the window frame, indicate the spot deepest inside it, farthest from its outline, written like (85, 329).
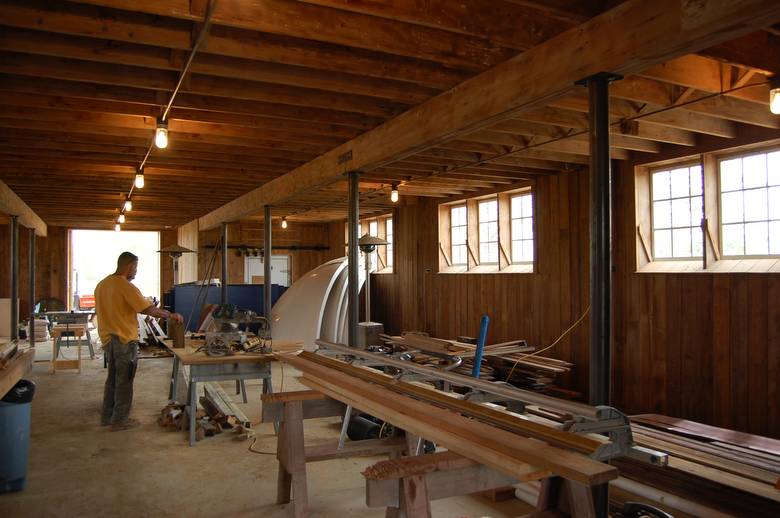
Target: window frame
(497, 242)
(720, 157)
(528, 192)
(670, 167)
(712, 259)
(474, 262)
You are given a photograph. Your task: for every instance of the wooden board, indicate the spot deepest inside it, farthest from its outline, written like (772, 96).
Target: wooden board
(506, 452)
(19, 365)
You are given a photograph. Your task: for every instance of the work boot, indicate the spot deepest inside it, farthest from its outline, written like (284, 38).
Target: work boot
(125, 425)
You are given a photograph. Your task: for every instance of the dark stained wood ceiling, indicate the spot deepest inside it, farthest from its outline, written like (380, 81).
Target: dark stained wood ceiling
(277, 83)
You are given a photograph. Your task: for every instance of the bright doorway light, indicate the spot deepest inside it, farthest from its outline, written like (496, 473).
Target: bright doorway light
(94, 254)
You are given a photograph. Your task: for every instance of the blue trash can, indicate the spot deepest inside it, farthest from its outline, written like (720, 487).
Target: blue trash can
(15, 435)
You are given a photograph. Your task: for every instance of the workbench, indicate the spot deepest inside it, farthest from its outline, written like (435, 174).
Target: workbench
(240, 367)
(14, 369)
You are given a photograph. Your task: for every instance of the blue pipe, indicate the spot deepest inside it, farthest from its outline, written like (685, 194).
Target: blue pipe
(483, 328)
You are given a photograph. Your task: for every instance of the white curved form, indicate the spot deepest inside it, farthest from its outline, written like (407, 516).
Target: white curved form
(299, 312)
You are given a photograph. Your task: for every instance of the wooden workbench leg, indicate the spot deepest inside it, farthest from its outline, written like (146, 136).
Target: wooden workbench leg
(580, 500)
(292, 459)
(78, 355)
(413, 501)
(242, 384)
(193, 408)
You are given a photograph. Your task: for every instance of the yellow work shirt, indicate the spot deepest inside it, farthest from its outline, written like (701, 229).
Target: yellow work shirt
(117, 302)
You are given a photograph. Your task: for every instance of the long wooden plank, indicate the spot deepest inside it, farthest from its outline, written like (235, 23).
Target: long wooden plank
(12, 205)
(14, 370)
(659, 31)
(495, 417)
(505, 451)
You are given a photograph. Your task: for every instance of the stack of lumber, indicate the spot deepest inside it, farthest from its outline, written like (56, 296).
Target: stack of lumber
(414, 341)
(734, 472)
(516, 447)
(531, 372)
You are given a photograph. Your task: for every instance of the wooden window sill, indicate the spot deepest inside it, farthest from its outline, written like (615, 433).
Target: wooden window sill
(765, 265)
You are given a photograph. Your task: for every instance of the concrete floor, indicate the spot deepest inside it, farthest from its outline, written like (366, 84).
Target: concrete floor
(77, 468)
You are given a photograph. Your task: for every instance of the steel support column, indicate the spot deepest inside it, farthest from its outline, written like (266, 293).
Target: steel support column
(267, 253)
(352, 256)
(600, 255)
(31, 259)
(224, 280)
(14, 277)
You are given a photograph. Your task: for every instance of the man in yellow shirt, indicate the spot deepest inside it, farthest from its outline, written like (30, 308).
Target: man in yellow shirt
(117, 302)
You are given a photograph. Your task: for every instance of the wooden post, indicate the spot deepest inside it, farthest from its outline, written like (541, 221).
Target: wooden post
(14, 277)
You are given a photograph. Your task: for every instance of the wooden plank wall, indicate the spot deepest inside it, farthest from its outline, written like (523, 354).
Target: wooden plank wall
(250, 233)
(700, 346)
(536, 307)
(51, 263)
(188, 263)
(703, 346)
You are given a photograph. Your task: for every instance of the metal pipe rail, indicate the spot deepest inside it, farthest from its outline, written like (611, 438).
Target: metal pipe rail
(504, 391)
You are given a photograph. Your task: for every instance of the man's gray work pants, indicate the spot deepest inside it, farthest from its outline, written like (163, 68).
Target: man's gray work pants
(118, 394)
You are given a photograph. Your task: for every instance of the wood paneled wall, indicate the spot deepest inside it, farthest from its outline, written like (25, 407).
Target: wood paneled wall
(533, 306)
(51, 266)
(701, 346)
(250, 233)
(188, 263)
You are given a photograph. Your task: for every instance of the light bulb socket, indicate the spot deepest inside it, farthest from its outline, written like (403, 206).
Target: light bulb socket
(117, 227)
(128, 206)
(284, 222)
(394, 193)
(121, 218)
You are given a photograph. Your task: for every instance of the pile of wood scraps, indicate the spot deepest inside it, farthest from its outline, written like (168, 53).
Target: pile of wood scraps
(219, 413)
(506, 361)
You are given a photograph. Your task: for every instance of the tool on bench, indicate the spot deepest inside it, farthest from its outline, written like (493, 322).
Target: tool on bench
(230, 338)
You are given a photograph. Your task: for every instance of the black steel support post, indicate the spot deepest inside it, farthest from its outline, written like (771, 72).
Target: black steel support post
(600, 255)
(267, 253)
(14, 277)
(352, 257)
(224, 279)
(31, 258)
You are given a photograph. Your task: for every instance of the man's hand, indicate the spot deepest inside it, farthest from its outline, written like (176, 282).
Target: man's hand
(177, 317)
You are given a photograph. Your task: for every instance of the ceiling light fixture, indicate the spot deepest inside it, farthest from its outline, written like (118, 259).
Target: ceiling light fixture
(139, 178)
(394, 194)
(284, 222)
(774, 94)
(128, 204)
(161, 134)
(121, 218)
(117, 227)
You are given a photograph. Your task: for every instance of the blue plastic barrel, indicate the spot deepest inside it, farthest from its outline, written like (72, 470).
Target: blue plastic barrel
(15, 435)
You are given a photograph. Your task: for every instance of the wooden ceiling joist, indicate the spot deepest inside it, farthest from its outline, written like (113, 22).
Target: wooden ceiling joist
(660, 31)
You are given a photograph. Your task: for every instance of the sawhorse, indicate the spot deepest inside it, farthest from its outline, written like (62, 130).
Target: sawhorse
(290, 409)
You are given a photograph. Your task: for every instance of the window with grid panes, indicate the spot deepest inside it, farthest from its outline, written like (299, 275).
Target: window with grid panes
(522, 216)
(373, 230)
(458, 235)
(488, 231)
(677, 211)
(750, 204)
(389, 239)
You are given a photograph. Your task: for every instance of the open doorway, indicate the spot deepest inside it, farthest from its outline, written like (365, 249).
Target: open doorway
(93, 255)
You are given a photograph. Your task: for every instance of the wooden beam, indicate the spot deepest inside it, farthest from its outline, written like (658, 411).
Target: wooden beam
(12, 204)
(660, 31)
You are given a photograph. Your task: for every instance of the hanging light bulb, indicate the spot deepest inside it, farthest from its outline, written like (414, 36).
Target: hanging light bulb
(161, 134)
(139, 178)
(128, 204)
(774, 95)
(284, 222)
(121, 218)
(394, 194)
(117, 227)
